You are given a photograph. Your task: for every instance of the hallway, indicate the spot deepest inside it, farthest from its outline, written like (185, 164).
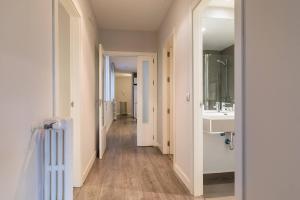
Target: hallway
(129, 172)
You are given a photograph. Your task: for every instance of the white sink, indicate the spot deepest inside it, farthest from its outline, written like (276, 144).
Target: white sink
(218, 115)
(218, 122)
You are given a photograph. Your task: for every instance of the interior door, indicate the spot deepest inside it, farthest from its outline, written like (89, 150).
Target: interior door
(145, 101)
(102, 134)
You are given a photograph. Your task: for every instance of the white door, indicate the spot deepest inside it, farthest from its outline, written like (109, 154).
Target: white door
(145, 101)
(102, 134)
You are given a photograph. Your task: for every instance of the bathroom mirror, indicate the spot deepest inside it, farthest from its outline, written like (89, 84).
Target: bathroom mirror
(218, 63)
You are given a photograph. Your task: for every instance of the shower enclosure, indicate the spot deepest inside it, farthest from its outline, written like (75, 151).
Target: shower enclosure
(218, 80)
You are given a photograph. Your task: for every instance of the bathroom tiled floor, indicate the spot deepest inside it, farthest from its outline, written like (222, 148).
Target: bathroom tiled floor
(219, 185)
(219, 190)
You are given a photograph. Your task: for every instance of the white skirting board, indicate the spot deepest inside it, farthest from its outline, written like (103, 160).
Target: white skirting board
(88, 167)
(183, 177)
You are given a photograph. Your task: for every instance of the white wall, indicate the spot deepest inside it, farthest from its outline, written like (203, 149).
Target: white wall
(179, 21)
(25, 87)
(124, 92)
(64, 81)
(271, 104)
(88, 88)
(136, 41)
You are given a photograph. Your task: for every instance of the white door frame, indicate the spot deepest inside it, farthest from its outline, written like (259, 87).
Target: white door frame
(154, 55)
(198, 100)
(164, 148)
(102, 131)
(73, 9)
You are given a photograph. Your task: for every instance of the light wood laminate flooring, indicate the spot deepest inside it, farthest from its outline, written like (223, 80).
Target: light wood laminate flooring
(128, 172)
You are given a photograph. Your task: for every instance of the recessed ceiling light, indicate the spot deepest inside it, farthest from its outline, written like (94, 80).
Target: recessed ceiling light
(203, 29)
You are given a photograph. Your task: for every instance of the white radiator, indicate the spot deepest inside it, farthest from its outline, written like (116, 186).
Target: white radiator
(58, 147)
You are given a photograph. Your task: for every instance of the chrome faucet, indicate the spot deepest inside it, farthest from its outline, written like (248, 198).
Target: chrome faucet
(217, 106)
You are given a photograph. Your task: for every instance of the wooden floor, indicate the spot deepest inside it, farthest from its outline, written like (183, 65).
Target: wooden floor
(128, 172)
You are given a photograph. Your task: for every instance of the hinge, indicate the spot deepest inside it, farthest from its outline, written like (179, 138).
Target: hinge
(153, 60)
(153, 82)
(168, 143)
(168, 79)
(168, 54)
(153, 137)
(153, 109)
(168, 111)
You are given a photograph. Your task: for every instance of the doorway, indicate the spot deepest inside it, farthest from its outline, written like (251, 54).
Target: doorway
(66, 61)
(125, 86)
(214, 99)
(143, 89)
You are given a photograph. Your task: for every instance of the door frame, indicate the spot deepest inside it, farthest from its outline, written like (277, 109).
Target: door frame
(164, 146)
(101, 121)
(75, 13)
(154, 55)
(239, 99)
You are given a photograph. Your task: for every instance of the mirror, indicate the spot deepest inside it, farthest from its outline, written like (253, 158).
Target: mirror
(218, 63)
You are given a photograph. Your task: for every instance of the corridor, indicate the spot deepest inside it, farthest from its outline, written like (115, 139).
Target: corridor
(130, 172)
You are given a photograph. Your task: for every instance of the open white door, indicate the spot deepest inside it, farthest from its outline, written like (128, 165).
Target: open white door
(102, 134)
(146, 101)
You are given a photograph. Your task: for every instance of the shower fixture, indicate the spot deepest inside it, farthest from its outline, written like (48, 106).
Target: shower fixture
(222, 62)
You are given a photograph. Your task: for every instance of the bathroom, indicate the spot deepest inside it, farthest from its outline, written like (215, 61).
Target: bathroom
(218, 99)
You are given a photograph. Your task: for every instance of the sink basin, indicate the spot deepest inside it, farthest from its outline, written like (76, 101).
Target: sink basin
(218, 122)
(218, 115)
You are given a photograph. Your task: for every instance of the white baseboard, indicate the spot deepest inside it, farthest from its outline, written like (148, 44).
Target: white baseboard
(88, 167)
(183, 177)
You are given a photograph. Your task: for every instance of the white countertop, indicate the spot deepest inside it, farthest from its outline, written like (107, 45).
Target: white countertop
(214, 115)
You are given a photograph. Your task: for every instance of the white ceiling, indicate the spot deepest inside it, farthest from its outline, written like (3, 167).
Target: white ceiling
(134, 15)
(218, 25)
(222, 3)
(218, 34)
(124, 64)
